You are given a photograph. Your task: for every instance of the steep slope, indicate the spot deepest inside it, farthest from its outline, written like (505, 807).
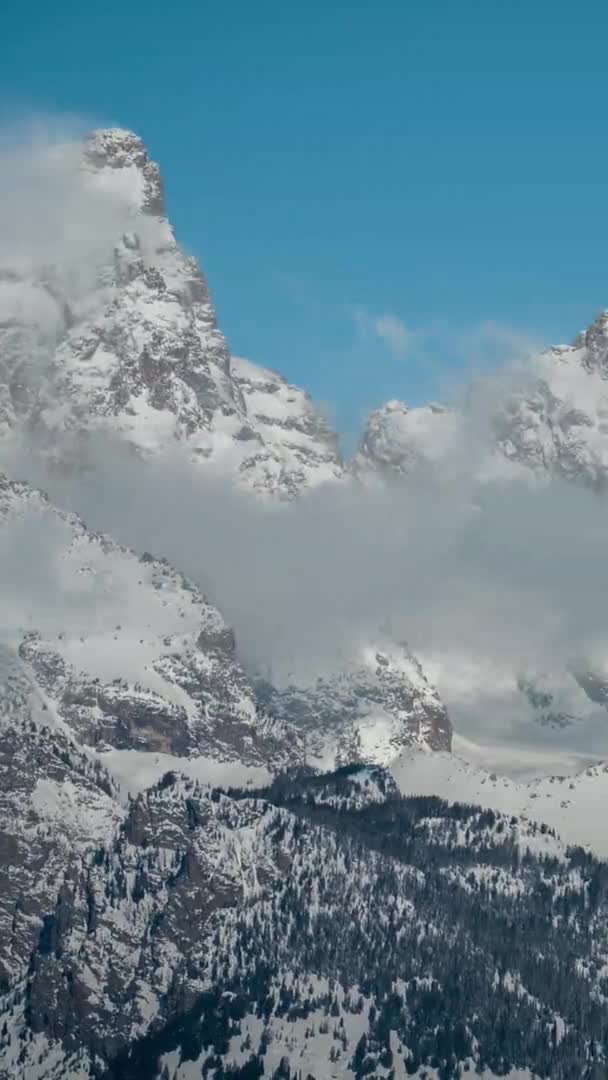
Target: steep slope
(298, 451)
(128, 653)
(55, 804)
(132, 657)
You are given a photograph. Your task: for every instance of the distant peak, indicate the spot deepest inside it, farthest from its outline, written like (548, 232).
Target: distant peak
(400, 407)
(392, 406)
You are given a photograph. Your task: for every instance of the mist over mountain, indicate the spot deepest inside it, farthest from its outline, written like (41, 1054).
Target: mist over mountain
(235, 666)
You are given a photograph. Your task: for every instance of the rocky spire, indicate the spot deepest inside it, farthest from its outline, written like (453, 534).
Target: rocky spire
(594, 341)
(124, 152)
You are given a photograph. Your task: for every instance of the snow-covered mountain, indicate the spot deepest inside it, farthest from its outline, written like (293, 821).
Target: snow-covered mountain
(377, 702)
(154, 925)
(138, 351)
(141, 355)
(138, 356)
(570, 804)
(560, 423)
(550, 414)
(543, 420)
(126, 651)
(129, 655)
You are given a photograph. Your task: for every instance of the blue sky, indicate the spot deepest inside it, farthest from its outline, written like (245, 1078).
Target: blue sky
(381, 195)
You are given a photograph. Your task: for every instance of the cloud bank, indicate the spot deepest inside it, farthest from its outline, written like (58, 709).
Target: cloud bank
(484, 584)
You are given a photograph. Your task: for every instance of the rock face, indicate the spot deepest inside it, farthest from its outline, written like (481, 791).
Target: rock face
(123, 151)
(142, 914)
(128, 653)
(55, 803)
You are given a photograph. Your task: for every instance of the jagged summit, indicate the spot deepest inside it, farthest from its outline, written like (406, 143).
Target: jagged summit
(117, 147)
(123, 151)
(141, 355)
(556, 420)
(594, 343)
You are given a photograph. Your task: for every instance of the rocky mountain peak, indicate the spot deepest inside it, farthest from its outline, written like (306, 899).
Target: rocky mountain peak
(141, 356)
(125, 153)
(594, 342)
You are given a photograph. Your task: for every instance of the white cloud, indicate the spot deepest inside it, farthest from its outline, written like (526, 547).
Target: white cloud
(485, 344)
(484, 582)
(388, 329)
(394, 333)
(491, 342)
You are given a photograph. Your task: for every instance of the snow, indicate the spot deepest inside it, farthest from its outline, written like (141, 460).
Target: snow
(144, 362)
(87, 817)
(135, 770)
(153, 315)
(38, 1057)
(307, 1045)
(105, 601)
(101, 629)
(572, 805)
